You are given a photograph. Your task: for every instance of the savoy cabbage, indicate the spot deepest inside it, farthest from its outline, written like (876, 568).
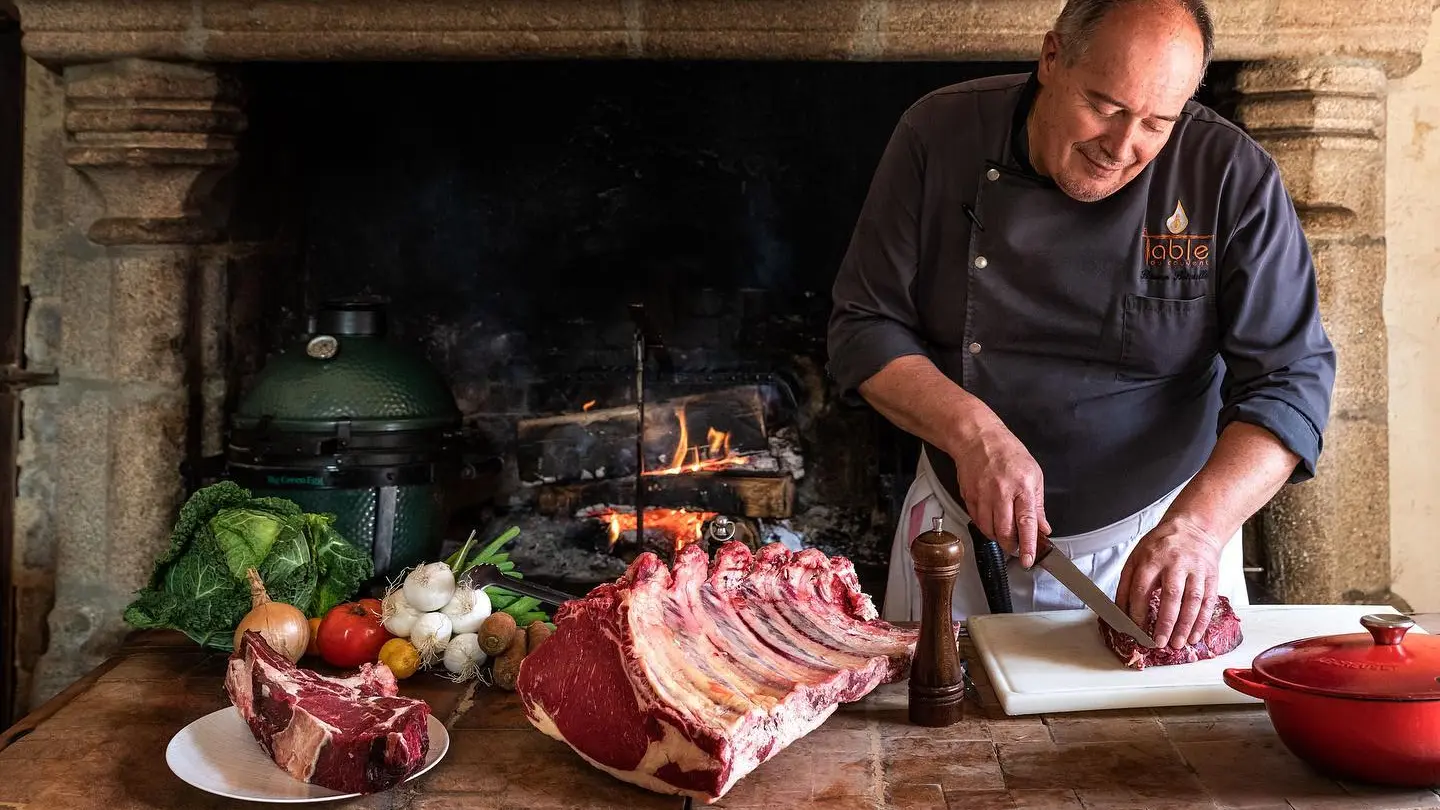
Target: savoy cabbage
(199, 585)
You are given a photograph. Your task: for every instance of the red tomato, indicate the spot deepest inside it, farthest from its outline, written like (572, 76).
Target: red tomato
(351, 633)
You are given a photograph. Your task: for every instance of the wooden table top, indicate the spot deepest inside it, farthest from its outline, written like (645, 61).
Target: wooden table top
(101, 745)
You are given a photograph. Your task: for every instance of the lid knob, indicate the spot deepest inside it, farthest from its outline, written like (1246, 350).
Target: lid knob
(1387, 628)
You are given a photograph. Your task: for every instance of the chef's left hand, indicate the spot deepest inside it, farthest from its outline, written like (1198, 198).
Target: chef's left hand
(1184, 561)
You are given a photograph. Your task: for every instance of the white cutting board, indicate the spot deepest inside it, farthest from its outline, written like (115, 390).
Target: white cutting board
(1055, 661)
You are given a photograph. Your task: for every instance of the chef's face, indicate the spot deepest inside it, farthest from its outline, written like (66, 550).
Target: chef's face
(1102, 116)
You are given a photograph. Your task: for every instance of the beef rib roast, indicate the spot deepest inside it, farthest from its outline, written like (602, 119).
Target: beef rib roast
(683, 681)
(1222, 636)
(354, 734)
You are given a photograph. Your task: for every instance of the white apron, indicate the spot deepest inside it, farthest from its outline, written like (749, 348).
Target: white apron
(1100, 554)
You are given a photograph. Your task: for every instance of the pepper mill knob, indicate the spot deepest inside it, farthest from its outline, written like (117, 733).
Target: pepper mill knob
(937, 684)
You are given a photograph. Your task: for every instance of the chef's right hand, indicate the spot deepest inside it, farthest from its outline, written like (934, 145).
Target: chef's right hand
(1003, 489)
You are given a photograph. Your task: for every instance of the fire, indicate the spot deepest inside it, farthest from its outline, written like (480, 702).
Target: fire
(717, 454)
(683, 525)
(587, 406)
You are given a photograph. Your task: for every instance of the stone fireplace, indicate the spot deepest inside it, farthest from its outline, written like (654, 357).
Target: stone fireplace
(199, 173)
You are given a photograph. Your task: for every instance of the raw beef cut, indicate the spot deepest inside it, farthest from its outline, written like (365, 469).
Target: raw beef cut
(1222, 636)
(684, 681)
(352, 734)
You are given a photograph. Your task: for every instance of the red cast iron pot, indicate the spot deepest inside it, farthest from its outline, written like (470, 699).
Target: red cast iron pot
(1362, 706)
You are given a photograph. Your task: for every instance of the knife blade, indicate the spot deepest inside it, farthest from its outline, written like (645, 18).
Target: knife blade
(1082, 586)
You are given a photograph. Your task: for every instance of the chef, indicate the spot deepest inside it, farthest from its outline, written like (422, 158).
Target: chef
(1090, 298)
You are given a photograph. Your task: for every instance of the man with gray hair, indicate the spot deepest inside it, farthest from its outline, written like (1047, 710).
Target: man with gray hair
(1090, 298)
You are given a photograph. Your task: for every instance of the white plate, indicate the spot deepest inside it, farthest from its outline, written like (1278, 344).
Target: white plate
(218, 754)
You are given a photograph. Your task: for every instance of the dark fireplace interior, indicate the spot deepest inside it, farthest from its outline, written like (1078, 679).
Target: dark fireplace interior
(532, 225)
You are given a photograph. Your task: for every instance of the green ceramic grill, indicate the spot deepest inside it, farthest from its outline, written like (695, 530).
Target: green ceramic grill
(348, 422)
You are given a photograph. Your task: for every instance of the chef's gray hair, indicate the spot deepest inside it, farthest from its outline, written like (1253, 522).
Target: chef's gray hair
(1079, 19)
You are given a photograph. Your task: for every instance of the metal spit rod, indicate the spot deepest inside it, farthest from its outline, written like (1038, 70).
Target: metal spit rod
(639, 425)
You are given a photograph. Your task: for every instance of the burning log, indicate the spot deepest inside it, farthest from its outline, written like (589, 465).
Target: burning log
(755, 496)
(719, 430)
(666, 530)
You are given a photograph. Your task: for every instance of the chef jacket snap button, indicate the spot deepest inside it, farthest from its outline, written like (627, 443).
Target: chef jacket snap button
(981, 262)
(993, 174)
(974, 348)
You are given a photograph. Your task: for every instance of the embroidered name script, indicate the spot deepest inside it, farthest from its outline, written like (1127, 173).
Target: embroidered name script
(1175, 254)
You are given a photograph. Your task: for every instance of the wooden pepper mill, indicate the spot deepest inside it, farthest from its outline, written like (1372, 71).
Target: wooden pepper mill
(937, 684)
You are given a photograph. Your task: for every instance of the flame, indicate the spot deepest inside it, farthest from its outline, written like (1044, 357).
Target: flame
(587, 406)
(681, 525)
(686, 459)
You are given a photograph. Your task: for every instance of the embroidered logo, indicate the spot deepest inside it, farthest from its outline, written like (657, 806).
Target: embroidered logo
(1178, 222)
(1173, 254)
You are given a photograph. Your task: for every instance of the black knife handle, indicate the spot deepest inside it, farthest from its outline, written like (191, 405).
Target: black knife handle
(990, 562)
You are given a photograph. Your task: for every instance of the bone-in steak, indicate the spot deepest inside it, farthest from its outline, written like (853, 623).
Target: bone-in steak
(1222, 636)
(354, 734)
(683, 681)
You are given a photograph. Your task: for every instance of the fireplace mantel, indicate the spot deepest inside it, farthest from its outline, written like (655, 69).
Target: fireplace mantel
(64, 32)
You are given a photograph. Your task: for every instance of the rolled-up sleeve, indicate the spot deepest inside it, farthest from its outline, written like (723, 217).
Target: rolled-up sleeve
(1280, 363)
(873, 319)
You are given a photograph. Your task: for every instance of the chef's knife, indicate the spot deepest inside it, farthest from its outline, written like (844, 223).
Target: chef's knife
(1073, 578)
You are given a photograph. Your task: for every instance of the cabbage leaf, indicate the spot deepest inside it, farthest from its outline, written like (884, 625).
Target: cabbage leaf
(199, 584)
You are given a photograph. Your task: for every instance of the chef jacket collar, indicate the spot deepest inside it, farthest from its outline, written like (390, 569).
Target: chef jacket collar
(1019, 157)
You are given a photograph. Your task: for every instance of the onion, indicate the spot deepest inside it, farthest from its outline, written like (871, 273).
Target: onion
(430, 635)
(463, 656)
(398, 616)
(429, 587)
(467, 609)
(284, 627)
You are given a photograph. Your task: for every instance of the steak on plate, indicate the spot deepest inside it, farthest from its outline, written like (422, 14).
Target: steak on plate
(683, 681)
(354, 734)
(1222, 636)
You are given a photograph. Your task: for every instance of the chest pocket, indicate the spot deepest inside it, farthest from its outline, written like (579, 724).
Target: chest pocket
(1162, 337)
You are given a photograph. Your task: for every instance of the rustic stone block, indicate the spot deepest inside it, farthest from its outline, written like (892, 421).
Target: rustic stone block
(1120, 798)
(1245, 772)
(1153, 769)
(150, 314)
(86, 328)
(1354, 310)
(896, 723)
(543, 773)
(1018, 730)
(953, 764)
(235, 30)
(1238, 726)
(915, 797)
(374, 16)
(1329, 535)
(83, 433)
(1016, 800)
(1141, 731)
(812, 770)
(145, 490)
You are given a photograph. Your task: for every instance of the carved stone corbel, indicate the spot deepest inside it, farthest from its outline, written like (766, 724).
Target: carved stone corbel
(153, 137)
(1323, 120)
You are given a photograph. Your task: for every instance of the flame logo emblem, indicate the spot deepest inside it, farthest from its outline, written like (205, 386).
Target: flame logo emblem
(1177, 221)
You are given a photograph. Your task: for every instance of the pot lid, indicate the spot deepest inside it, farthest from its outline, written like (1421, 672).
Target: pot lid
(346, 370)
(1383, 663)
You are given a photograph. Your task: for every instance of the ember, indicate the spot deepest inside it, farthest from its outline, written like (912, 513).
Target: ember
(682, 526)
(717, 455)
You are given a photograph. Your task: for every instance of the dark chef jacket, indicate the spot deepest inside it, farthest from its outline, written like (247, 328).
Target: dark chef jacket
(1114, 338)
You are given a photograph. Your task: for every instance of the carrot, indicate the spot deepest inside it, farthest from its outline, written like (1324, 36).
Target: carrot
(507, 666)
(495, 633)
(536, 634)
